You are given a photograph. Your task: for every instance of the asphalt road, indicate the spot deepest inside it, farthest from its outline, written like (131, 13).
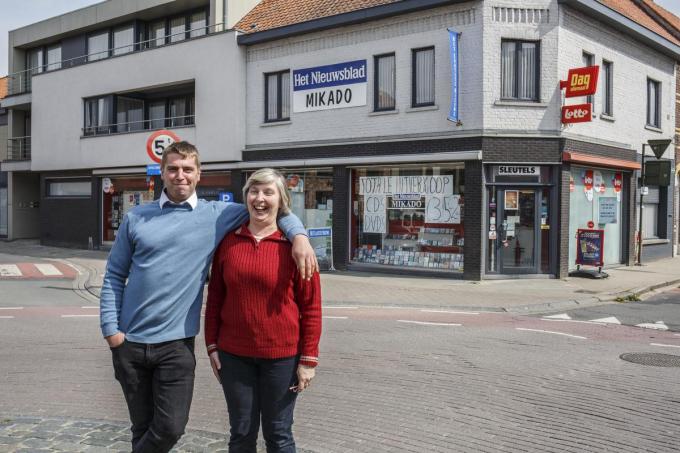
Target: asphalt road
(389, 380)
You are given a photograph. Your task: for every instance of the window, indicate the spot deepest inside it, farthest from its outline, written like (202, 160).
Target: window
(197, 23)
(68, 188)
(34, 60)
(98, 113)
(277, 96)
(129, 114)
(178, 27)
(98, 46)
(422, 92)
(181, 111)
(385, 83)
(520, 72)
(653, 103)
(156, 114)
(53, 57)
(650, 213)
(607, 88)
(157, 34)
(123, 40)
(589, 60)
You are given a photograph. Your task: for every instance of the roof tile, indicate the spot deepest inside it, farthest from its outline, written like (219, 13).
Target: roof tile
(631, 10)
(3, 86)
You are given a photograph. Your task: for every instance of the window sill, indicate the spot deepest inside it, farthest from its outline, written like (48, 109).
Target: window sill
(655, 241)
(530, 104)
(383, 112)
(425, 108)
(654, 129)
(606, 117)
(276, 123)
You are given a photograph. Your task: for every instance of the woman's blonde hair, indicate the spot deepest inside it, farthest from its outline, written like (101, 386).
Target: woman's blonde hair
(268, 176)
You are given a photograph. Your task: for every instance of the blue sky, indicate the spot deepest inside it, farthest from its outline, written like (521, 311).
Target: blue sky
(17, 13)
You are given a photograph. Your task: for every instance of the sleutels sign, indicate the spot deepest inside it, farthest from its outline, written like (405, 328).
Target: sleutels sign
(580, 113)
(581, 81)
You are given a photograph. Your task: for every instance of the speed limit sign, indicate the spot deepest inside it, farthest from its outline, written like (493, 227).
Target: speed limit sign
(157, 142)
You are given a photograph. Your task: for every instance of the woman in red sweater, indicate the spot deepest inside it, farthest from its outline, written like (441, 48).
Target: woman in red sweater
(262, 321)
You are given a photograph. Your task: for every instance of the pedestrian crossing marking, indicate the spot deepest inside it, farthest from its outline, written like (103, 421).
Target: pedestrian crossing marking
(610, 320)
(659, 325)
(47, 269)
(9, 270)
(560, 316)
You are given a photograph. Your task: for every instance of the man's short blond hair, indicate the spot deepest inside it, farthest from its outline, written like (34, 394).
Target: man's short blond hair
(268, 176)
(184, 149)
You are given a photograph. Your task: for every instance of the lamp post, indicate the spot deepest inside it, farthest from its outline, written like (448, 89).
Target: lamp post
(658, 147)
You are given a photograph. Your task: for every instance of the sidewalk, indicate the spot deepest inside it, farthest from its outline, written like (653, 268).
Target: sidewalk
(372, 289)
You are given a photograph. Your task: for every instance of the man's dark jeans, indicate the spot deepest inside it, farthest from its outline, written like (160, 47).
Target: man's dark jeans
(255, 387)
(158, 383)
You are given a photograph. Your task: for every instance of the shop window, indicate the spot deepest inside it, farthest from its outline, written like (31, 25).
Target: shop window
(520, 70)
(68, 187)
(589, 60)
(650, 213)
(98, 46)
(277, 96)
(653, 103)
(422, 90)
(123, 39)
(384, 92)
(607, 88)
(409, 216)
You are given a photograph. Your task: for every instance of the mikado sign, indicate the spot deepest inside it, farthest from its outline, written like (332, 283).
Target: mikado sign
(330, 87)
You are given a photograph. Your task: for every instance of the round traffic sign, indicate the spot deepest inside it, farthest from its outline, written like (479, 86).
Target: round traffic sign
(158, 141)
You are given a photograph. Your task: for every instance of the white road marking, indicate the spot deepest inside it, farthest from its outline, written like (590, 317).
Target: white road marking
(659, 325)
(334, 317)
(451, 311)
(80, 316)
(576, 321)
(665, 345)
(48, 270)
(11, 308)
(550, 331)
(425, 323)
(72, 267)
(610, 320)
(10, 270)
(90, 306)
(341, 307)
(560, 316)
(6, 317)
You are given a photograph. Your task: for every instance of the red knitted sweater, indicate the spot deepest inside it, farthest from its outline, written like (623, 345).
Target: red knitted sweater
(257, 304)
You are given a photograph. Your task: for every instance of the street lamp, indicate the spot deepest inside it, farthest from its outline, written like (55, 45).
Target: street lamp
(658, 147)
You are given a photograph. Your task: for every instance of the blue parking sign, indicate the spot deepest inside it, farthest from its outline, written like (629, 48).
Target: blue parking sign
(226, 196)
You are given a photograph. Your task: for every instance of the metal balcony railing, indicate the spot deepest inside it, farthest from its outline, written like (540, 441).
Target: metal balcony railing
(18, 148)
(20, 82)
(143, 125)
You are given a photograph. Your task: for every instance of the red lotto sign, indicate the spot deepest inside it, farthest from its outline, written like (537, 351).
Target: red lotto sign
(579, 113)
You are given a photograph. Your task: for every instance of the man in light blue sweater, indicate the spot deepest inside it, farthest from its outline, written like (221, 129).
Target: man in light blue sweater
(153, 291)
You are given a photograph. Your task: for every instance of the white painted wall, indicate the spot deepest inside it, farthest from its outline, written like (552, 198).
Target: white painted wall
(364, 41)
(214, 62)
(633, 63)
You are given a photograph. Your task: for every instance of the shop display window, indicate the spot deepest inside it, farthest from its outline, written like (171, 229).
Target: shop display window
(119, 196)
(408, 216)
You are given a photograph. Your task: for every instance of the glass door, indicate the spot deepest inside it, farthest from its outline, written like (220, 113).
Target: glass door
(517, 224)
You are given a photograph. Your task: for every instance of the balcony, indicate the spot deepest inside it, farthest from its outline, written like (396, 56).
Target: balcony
(137, 126)
(21, 82)
(18, 149)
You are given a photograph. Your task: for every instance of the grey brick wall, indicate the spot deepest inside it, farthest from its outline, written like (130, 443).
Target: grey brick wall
(474, 221)
(341, 200)
(563, 222)
(535, 150)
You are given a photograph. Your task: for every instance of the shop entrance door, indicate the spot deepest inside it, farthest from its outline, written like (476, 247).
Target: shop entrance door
(518, 224)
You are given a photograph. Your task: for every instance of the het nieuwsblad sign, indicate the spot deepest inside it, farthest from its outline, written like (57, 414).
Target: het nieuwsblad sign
(327, 87)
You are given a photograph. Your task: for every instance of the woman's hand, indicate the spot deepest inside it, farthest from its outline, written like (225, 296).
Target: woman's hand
(215, 364)
(305, 374)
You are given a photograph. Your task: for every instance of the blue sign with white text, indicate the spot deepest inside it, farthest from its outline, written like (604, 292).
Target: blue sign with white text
(319, 232)
(453, 44)
(225, 196)
(153, 169)
(330, 75)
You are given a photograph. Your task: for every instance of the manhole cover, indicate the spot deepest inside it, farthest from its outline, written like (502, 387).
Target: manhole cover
(652, 359)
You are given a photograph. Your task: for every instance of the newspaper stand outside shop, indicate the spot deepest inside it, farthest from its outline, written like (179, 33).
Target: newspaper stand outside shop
(589, 252)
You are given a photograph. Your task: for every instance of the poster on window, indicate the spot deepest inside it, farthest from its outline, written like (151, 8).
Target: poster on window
(608, 207)
(445, 209)
(511, 200)
(375, 218)
(588, 181)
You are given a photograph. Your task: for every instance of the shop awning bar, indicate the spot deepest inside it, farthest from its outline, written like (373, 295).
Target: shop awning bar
(597, 161)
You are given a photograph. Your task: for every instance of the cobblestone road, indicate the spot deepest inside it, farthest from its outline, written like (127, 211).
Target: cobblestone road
(462, 384)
